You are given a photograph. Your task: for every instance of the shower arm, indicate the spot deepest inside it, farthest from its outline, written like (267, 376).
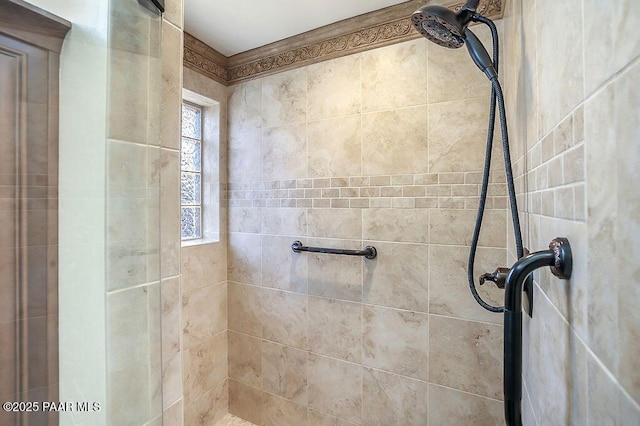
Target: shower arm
(559, 259)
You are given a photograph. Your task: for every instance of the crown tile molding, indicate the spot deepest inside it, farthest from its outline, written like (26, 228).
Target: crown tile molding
(369, 31)
(202, 58)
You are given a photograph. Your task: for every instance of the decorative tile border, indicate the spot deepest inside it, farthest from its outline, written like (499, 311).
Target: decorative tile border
(369, 31)
(428, 190)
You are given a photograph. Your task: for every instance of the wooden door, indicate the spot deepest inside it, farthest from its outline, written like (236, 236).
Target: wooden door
(28, 212)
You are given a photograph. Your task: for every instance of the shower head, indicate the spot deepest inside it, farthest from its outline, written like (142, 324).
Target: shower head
(449, 29)
(442, 25)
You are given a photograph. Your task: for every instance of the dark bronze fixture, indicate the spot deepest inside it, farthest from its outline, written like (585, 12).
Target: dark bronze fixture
(369, 252)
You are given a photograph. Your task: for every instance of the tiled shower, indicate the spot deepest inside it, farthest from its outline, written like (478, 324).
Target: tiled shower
(382, 147)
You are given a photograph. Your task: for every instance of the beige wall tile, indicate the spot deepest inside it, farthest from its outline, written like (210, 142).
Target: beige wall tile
(204, 314)
(335, 223)
(398, 277)
(245, 359)
(171, 342)
(338, 277)
(628, 161)
(454, 147)
(244, 258)
(335, 328)
(172, 52)
(281, 267)
(394, 76)
(245, 156)
(245, 402)
(204, 365)
(244, 219)
(284, 98)
(203, 265)
(282, 412)
(170, 213)
(208, 408)
(395, 141)
(602, 191)
(389, 399)
(452, 75)
(456, 227)
(291, 221)
(174, 12)
(284, 318)
(448, 283)
(449, 406)
(133, 358)
(334, 88)
(396, 341)
(285, 372)
(245, 309)
(284, 152)
(173, 415)
(335, 387)
(245, 104)
(335, 146)
(407, 225)
(466, 355)
(321, 419)
(562, 82)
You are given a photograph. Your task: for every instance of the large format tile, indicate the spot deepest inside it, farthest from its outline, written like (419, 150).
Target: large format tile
(245, 308)
(245, 402)
(561, 82)
(407, 225)
(449, 292)
(394, 76)
(203, 265)
(204, 313)
(395, 142)
(245, 103)
(282, 412)
(393, 400)
(205, 365)
(284, 98)
(244, 156)
(133, 362)
(171, 342)
(284, 318)
(338, 277)
(245, 359)
(456, 147)
(449, 406)
(210, 407)
(334, 88)
(284, 152)
(334, 147)
(281, 267)
(335, 387)
(335, 223)
(396, 341)
(244, 254)
(466, 355)
(398, 277)
(335, 328)
(285, 372)
(628, 164)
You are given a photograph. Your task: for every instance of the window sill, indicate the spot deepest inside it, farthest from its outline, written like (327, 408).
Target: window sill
(201, 241)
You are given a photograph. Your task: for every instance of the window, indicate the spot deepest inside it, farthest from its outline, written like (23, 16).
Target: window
(191, 172)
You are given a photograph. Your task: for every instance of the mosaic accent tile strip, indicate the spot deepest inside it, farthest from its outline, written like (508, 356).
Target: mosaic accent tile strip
(432, 190)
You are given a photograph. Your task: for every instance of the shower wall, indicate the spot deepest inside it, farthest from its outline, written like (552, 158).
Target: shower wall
(381, 148)
(573, 103)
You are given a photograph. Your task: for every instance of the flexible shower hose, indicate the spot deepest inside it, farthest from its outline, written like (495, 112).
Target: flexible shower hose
(496, 97)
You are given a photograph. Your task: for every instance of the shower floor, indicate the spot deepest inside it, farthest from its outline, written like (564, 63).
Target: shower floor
(231, 420)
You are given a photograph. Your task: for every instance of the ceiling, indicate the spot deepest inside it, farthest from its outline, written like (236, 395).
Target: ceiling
(235, 26)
